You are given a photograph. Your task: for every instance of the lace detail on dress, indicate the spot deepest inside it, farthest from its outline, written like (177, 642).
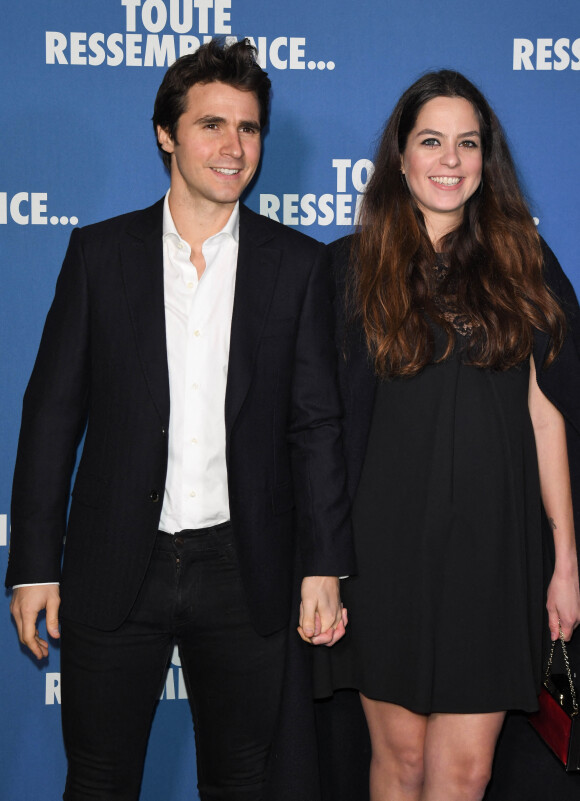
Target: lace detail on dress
(447, 303)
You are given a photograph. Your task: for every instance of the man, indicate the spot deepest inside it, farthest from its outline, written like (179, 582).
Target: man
(193, 341)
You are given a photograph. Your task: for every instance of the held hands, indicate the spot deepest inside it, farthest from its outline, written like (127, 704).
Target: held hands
(322, 616)
(26, 603)
(563, 602)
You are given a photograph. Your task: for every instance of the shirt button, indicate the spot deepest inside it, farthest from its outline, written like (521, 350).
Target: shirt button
(195, 386)
(197, 333)
(193, 441)
(192, 494)
(190, 284)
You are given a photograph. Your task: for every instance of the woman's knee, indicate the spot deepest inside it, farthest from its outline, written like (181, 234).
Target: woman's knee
(469, 776)
(411, 766)
(403, 760)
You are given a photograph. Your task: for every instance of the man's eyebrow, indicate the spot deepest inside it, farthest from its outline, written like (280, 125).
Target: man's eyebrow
(210, 119)
(250, 124)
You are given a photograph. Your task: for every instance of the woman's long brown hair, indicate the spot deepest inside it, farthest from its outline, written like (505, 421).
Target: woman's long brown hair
(494, 256)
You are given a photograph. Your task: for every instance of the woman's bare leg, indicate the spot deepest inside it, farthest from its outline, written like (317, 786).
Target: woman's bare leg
(458, 755)
(397, 739)
(437, 757)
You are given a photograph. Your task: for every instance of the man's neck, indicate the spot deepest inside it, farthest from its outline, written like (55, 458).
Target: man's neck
(197, 221)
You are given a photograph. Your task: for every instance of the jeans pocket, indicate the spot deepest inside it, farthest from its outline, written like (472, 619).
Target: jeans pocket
(223, 542)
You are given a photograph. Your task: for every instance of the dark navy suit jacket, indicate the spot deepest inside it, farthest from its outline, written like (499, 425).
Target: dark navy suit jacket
(102, 367)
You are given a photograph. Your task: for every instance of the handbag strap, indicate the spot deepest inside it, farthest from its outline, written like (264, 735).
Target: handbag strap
(568, 670)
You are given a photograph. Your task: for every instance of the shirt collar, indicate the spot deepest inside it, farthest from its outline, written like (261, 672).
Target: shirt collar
(232, 227)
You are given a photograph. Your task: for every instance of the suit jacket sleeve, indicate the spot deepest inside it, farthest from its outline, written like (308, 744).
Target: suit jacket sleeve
(53, 419)
(315, 435)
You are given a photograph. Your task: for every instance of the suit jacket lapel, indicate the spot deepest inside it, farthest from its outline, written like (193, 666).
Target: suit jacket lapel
(256, 275)
(142, 269)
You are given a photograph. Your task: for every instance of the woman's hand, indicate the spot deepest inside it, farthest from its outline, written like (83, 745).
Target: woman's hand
(563, 600)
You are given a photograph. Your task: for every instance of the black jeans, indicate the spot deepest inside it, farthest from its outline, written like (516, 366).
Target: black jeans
(111, 681)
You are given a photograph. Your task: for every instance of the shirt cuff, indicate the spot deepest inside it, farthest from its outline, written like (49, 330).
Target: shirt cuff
(37, 584)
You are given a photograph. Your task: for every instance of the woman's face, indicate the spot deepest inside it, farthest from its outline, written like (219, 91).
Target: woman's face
(442, 161)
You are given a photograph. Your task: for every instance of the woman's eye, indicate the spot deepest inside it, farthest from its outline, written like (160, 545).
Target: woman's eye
(468, 143)
(431, 142)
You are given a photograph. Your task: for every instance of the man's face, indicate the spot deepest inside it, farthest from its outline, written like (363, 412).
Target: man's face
(217, 146)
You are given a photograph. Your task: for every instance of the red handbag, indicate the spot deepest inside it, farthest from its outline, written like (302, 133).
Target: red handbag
(557, 721)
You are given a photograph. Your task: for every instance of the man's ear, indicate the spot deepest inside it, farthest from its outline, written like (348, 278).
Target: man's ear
(165, 140)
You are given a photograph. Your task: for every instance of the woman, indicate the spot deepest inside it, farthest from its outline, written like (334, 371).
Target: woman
(451, 444)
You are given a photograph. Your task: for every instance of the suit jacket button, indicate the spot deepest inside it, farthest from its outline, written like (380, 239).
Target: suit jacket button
(154, 496)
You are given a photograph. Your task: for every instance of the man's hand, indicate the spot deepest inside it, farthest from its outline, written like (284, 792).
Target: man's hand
(322, 617)
(26, 603)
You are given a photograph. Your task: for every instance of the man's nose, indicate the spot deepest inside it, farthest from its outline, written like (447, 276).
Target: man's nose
(232, 144)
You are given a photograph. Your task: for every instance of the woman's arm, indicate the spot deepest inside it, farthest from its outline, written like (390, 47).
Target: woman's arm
(563, 602)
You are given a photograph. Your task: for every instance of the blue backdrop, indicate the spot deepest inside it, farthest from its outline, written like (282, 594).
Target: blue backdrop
(79, 81)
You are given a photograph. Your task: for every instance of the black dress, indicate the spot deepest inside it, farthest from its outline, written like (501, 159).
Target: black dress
(394, 672)
(446, 609)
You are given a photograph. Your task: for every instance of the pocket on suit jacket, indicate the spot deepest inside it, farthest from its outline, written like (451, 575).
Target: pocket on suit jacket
(88, 490)
(283, 498)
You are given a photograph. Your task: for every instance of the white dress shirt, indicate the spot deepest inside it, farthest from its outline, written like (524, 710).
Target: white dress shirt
(198, 318)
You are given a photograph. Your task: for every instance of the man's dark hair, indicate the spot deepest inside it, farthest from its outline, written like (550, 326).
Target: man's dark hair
(235, 65)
